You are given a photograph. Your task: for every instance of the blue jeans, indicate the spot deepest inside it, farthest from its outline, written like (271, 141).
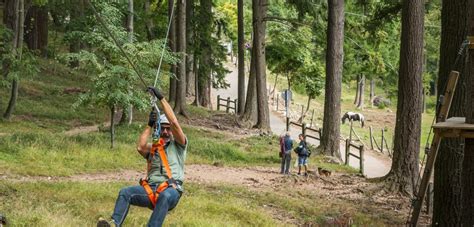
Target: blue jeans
(136, 195)
(302, 160)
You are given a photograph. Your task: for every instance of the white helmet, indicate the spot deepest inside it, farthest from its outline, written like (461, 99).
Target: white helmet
(164, 119)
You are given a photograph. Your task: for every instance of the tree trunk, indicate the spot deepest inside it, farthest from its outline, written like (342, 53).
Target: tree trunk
(241, 57)
(172, 44)
(259, 26)
(149, 25)
(447, 173)
(360, 103)
(334, 60)
(249, 117)
(356, 98)
(404, 172)
(190, 45)
(180, 103)
(130, 25)
(196, 81)
(112, 126)
(36, 29)
(18, 45)
(206, 54)
(467, 218)
(372, 92)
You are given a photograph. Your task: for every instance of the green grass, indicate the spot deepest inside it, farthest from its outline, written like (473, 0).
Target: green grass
(43, 106)
(81, 204)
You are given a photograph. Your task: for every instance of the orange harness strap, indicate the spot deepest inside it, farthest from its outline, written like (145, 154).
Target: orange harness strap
(153, 196)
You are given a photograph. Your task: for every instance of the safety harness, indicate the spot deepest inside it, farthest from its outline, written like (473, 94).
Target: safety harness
(159, 147)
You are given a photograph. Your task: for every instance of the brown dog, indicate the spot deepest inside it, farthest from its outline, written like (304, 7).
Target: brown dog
(324, 172)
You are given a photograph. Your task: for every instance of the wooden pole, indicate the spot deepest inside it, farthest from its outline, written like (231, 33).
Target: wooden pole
(381, 144)
(287, 124)
(278, 101)
(218, 101)
(350, 133)
(228, 105)
(361, 159)
(235, 106)
(371, 143)
(348, 147)
(443, 113)
(312, 117)
(303, 131)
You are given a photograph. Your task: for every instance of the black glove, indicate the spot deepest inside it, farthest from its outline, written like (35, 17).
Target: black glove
(155, 92)
(152, 118)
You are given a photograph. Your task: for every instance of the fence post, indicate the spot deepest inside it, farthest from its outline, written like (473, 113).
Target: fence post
(361, 149)
(381, 144)
(350, 132)
(287, 124)
(228, 105)
(278, 101)
(348, 147)
(218, 101)
(371, 143)
(303, 130)
(312, 116)
(235, 106)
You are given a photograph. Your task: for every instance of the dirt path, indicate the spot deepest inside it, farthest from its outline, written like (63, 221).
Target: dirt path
(343, 187)
(375, 164)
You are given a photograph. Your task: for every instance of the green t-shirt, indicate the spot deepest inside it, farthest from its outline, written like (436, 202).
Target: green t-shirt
(176, 154)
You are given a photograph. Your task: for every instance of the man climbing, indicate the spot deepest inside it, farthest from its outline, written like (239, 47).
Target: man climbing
(162, 188)
(303, 153)
(286, 157)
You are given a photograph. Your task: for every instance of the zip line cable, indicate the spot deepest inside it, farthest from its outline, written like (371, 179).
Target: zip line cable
(164, 44)
(101, 21)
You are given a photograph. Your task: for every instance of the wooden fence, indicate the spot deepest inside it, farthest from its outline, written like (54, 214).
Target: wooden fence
(305, 129)
(360, 148)
(226, 104)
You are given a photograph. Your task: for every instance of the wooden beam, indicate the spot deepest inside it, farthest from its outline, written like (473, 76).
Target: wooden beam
(445, 106)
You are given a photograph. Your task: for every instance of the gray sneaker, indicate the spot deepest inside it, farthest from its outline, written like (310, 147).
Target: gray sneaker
(104, 223)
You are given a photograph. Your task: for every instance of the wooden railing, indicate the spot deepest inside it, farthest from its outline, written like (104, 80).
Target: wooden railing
(227, 104)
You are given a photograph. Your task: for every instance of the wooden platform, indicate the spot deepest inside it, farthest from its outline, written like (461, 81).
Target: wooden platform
(454, 127)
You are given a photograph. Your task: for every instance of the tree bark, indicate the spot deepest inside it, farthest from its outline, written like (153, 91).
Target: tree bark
(130, 25)
(447, 173)
(112, 126)
(372, 92)
(334, 60)
(467, 218)
(356, 98)
(189, 46)
(36, 29)
(249, 117)
(196, 81)
(206, 53)
(241, 57)
(18, 45)
(259, 26)
(360, 102)
(180, 102)
(404, 172)
(150, 26)
(172, 44)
